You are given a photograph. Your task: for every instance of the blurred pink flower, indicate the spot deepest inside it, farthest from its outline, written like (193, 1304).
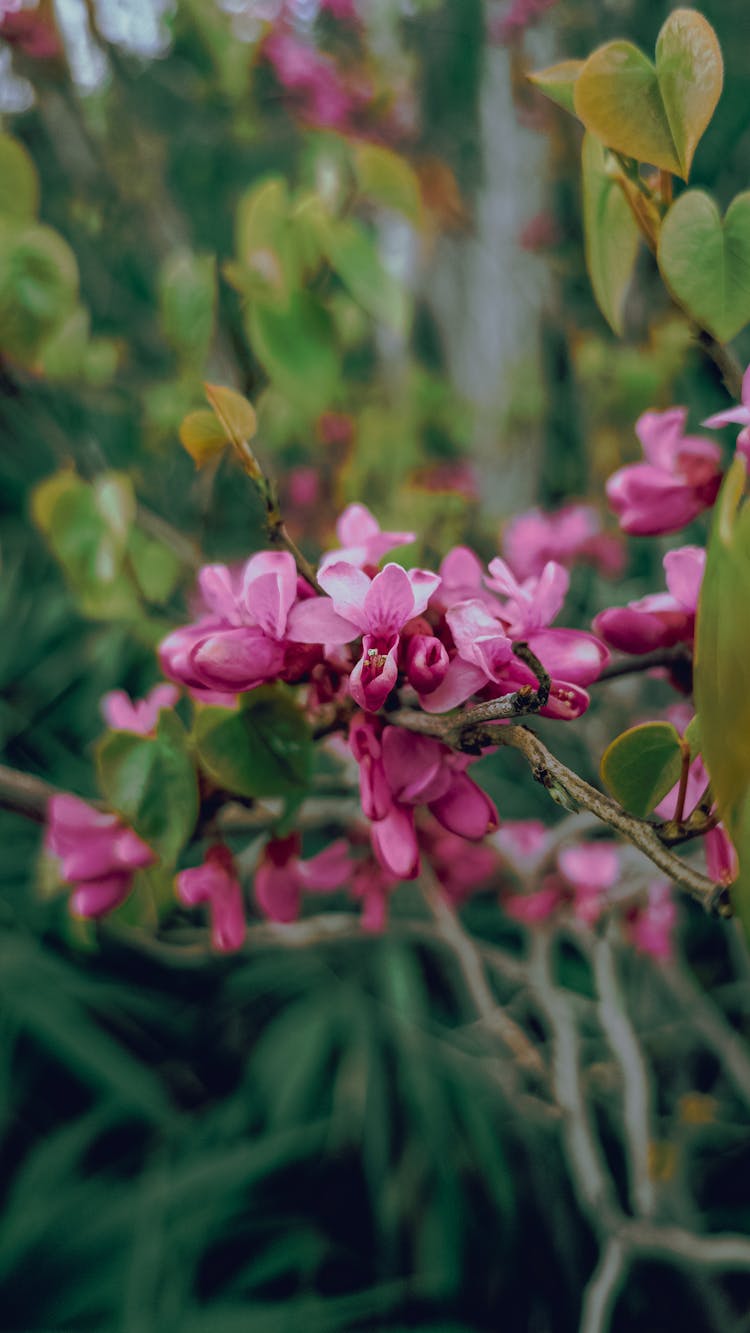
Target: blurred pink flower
(282, 876)
(362, 540)
(98, 854)
(651, 928)
(138, 715)
(573, 533)
(591, 869)
(739, 416)
(215, 884)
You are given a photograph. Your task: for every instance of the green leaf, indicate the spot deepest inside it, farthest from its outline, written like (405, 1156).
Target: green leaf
(611, 233)
(352, 253)
(558, 82)
(654, 114)
(157, 569)
(262, 748)
(706, 262)
(722, 671)
(692, 736)
(151, 782)
(389, 180)
(642, 765)
(38, 287)
(296, 348)
(19, 181)
(266, 262)
(187, 304)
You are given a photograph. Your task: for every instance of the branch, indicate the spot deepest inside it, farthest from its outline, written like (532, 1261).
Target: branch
(604, 1287)
(469, 959)
(679, 655)
(725, 362)
(23, 794)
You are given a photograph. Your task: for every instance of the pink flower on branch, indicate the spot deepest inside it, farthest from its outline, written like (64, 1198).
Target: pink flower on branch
(650, 928)
(282, 876)
(680, 478)
(137, 715)
(98, 854)
(377, 610)
(661, 619)
(215, 884)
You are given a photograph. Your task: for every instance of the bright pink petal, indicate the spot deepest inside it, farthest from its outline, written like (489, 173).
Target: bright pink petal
(660, 434)
(347, 587)
(592, 865)
(97, 897)
(721, 858)
(268, 590)
(277, 891)
(732, 416)
(414, 766)
(427, 663)
(217, 588)
(465, 809)
(423, 584)
(462, 680)
(683, 571)
(236, 659)
(570, 654)
(389, 602)
(375, 674)
(329, 870)
(315, 621)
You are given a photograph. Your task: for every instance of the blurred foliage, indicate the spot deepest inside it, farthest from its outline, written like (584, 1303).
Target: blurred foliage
(325, 1136)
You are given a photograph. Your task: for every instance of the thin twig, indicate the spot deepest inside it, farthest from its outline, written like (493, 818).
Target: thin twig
(469, 959)
(679, 655)
(604, 1287)
(725, 362)
(24, 794)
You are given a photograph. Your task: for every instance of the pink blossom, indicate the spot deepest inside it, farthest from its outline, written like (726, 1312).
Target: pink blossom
(680, 478)
(518, 16)
(739, 416)
(460, 867)
(590, 869)
(661, 619)
(313, 79)
(722, 862)
(522, 841)
(140, 715)
(650, 928)
(243, 640)
(721, 857)
(362, 540)
(303, 487)
(399, 771)
(377, 609)
(573, 533)
(532, 908)
(98, 854)
(282, 876)
(372, 887)
(215, 883)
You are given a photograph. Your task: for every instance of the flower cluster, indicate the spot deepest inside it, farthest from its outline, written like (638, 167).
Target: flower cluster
(379, 653)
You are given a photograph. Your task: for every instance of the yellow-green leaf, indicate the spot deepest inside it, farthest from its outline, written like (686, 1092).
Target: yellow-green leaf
(722, 671)
(611, 232)
(203, 436)
(388, 179)
(658, 113)
(705, 261)
(558, 82)
(19, 182)
(236, 414)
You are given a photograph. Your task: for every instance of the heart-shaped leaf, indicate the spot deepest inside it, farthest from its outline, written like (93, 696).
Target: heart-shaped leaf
(557, 82)
(642, 765)
(658, 113)
(706, 262)
(151, 782)
(262, 748)
(611, 232)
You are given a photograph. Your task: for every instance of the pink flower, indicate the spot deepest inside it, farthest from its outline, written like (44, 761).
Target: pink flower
(399, 771)
(362, 540)
(573, 533)
(283, 876)
(426, 663)
(522, 841)
(98, 854)
(531, 908)
(377, 609)
(303, 487)
(244, 639)
(372, 887)
(661, 619)
(461, 867)
(736, 415)
(590, 869)
(313, 79)
(140, 715)
(650, 928)
(680, 478)
(215, 883)
(721, 857)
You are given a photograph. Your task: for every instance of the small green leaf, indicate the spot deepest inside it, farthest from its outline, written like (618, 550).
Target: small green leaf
(642, 765)
(296, 348)
(262, 748)
(558, 82)
(19, 181)
(38, 287)
(157, 569)
(692, 736)
(656, 114)
(352, 253)
(611, 233)
(388, 179)
(706, 262)
(235, 413)
(151, 782)
(187, 302)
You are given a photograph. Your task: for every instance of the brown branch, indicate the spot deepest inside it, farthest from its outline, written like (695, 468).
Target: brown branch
(679, 655)
(23, 794)
(724, 360)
